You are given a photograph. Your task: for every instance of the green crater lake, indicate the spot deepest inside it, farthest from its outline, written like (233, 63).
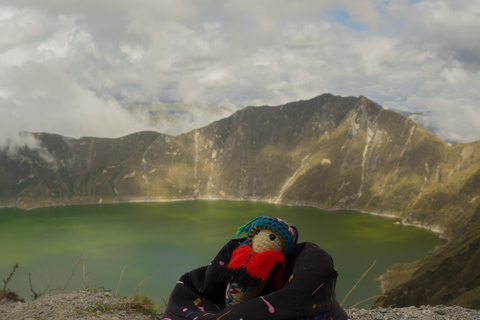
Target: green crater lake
(163, 240)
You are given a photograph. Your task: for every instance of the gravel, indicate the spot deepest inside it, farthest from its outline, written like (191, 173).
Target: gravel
(74, 305)
(103, 305)
(439, 312)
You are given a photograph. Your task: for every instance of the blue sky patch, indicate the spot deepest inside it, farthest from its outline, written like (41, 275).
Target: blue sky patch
(340, 15)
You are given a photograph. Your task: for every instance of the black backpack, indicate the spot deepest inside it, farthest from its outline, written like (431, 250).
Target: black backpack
(308, 291)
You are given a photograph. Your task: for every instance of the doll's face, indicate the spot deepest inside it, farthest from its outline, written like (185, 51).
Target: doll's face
(266, 240)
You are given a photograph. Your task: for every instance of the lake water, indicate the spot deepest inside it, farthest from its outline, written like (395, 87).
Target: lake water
(162, 241)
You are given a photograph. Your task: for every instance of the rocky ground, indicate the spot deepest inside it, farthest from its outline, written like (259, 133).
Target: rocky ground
(423, 312)
(79, 305)
(103, 305)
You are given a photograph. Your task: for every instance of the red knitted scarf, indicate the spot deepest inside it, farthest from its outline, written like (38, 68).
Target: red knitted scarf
(259, 265)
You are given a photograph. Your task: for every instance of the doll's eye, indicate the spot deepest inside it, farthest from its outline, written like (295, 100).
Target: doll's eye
(258, 231)
(272, 236)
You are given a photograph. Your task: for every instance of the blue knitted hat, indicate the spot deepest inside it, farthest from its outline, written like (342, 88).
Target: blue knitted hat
(288, 233)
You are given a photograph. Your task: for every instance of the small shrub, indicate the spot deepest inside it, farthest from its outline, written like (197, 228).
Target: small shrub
(375, 201)
(141, 303)
(10, 295)
(145, 304)
(7, 293)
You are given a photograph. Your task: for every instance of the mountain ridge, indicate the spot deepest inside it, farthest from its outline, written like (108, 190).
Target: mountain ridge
(308, 143)
(329, 152)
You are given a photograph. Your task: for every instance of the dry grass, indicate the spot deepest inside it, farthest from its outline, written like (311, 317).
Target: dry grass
(10, 295)
(141, 304)
(356, 284)
(6, 293)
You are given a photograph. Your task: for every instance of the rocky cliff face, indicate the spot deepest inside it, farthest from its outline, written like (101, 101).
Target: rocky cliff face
(330, 152)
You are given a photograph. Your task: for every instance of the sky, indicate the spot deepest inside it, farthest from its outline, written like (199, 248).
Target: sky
(71, 67)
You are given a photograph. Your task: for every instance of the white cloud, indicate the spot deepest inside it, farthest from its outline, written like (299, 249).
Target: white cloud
(83, 60)
(44, 97)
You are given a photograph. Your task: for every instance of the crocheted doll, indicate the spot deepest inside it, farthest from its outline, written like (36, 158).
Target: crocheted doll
(259, 262)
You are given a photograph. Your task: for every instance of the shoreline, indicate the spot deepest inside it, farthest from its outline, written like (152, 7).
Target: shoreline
(99, 201)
